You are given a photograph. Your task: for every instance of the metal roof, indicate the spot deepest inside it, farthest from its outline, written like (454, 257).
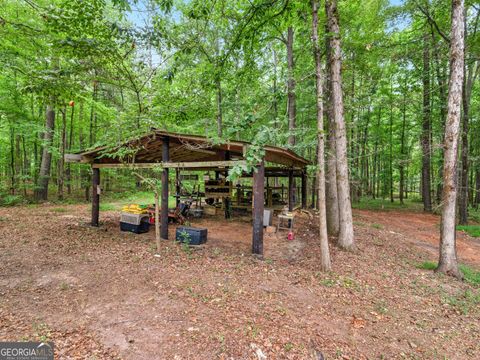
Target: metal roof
(187, 148)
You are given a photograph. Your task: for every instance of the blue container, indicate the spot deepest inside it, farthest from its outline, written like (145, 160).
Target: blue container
(192, 235)
(143, 227)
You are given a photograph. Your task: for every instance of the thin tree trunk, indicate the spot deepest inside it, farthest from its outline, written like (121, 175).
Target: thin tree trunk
(448, 252)
(44, 174)
(345, 236)
(442, 95)
(218, 84)
(426, 127)
(61, 161)
(477, 187)
(325, 263)
(275, 100)
(390, 163)
(25, 170)
(375, 155)
(291, 89)
(401, 163)
(69, 146)
(12, 158)
(93, 115)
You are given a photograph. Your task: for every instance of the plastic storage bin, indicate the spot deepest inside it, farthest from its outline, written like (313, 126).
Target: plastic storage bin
(194, 236)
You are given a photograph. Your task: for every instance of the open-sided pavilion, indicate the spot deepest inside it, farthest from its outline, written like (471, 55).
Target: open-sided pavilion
(193, 152)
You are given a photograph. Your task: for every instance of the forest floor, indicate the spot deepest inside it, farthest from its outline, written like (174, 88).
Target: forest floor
(100, 293)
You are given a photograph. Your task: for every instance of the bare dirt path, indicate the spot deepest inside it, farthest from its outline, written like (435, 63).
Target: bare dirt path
(422, 230)
(100, 293)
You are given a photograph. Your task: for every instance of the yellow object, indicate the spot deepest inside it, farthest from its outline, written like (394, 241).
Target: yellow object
(134, 209)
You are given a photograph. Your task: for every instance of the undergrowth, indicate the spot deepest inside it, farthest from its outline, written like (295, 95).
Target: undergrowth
(472, 230)
(386, 204)
(471, 275)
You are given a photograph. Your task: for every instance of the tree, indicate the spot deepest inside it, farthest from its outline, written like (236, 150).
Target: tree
(44, 174)
(345, 235)
(448, 253)
(333, 220)
(322, 212)
(426, 127)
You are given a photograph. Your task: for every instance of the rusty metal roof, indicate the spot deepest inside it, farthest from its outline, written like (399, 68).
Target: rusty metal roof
(188, 148)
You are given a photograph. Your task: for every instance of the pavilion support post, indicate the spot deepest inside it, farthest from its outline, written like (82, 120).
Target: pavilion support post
(291, 190)
(164, 204)
(177, 187)
(95, 196)
(258, 207)
(304, 190)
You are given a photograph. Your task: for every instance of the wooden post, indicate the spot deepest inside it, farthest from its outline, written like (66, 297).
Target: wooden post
(291, 190)
(177, 187)
(157, 222)
(164, 210)
(95, 196)
(304, 190)
(258, 207)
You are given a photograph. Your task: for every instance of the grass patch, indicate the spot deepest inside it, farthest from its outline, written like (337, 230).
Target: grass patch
(386, 204)
(377, 226)
(472, 230)
(465, 301)
(59, 210)
(108, 207)
(137, 197)
(427, 265)
(471, 275)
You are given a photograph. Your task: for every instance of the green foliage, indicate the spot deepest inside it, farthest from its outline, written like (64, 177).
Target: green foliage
(385, 204)
(186, 239)
(472, 230)
(10, 200)
(471, 275)
(427, 265)
(465, 301)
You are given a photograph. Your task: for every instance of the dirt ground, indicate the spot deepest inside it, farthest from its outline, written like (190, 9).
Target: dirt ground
(98, 293)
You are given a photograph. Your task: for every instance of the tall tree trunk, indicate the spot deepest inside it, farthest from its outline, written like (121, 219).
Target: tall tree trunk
(69, 147)
(468, 80)
(12, 158)
(442, 97)
(333, 220)
(291, 106)
(61, 160)
(375, 154)
(218, 85)
(448, 252)
(345, 236)
(390, 163)
(44, 174)
(477, 187)
(93, 115)
(275, 100)
(25, 170)
(426, 127)
(401, 163)
(325, 264)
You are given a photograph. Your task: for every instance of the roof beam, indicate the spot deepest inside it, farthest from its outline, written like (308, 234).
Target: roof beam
(179, 165)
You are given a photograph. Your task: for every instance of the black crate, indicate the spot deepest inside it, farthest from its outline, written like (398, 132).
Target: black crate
(196, 236)
(143, 227)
